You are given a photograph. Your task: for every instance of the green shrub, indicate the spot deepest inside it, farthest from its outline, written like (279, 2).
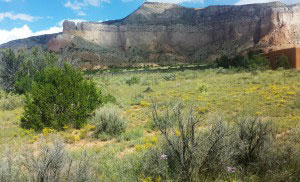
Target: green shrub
(36, 61)
(283, 62)
(10, 63)
(19, 68)
(59, 97)
(133, 80)
(251, 61)
(109, 99)
(108, 122)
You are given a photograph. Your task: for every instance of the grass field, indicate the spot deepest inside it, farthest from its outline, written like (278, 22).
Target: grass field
(230, 93)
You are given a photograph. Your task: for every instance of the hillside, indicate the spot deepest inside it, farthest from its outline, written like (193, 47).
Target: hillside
(30, 42)
(161, 33)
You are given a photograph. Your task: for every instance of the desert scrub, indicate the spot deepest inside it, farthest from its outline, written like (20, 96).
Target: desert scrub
(164, 115)
(108, 121)
(296, 103)
(51, 162)
(169, 77)
(187, 153)
(9, 101)
(60, 97)
(133, 80)
(254, 140)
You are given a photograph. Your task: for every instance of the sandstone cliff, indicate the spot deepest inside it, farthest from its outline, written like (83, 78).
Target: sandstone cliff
(168, 33)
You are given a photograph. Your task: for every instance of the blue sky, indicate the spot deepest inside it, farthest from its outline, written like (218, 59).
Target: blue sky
(24, 18)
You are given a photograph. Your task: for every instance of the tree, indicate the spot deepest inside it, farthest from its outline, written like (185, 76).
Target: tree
(35, 62)
(19, 68)
(283, 62)
(59, 97)
(10, 63)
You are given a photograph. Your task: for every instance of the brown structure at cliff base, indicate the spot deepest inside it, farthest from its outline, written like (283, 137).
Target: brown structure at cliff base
(292, 53)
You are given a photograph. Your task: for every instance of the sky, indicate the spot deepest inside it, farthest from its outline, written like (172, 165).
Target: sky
(25, 18)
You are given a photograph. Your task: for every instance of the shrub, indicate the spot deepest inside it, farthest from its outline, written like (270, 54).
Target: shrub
(166, 118)
(54, 164)
(59, 97)
(9, 167)
(109, 99)
(133, 80)
(108, 121)
(254, 140)
(36, 61)
(49, 163)
(10, 63)
(251, 61)
(186, 153)
(169, 77)
(19, 68)
(9, 101)
(282, 62)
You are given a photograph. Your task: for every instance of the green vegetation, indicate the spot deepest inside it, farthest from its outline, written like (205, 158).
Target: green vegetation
(107, 120)
(253, 60)
(283, 62)
(19, 68)
(58, 98)
(187, 125)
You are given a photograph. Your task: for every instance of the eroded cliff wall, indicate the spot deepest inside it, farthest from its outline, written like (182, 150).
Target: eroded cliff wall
(167, 33)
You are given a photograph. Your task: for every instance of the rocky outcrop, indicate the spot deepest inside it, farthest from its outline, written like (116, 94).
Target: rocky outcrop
(168, 33)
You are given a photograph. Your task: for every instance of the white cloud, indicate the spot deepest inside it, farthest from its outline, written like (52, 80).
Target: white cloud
(78, 5)
(25, 32)
(74, 6)
(13, 16)
(241, 2)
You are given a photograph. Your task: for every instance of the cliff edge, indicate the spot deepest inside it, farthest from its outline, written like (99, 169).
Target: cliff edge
(170, 34)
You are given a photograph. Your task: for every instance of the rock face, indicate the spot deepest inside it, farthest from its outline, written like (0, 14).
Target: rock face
(168, 33)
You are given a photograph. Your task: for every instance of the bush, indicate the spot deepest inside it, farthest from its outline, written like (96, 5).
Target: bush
(169, 77)
(165, 119)
(253, 142)
(251, 61)
(282, 62)
(49, 163)
(108, 121)
(10, 63)
(60, 97)
(187, 153)
(133, 80)
(9, 167)
(19, 68)
(9, 101)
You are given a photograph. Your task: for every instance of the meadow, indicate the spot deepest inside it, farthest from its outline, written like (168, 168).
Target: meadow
(228, 93)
